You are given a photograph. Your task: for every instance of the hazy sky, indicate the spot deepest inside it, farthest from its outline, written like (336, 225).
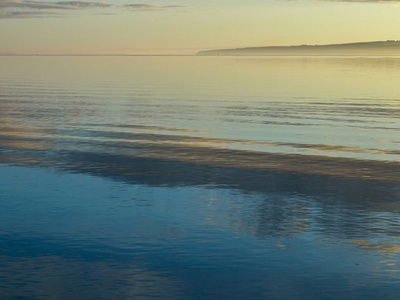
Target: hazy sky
(188, 26)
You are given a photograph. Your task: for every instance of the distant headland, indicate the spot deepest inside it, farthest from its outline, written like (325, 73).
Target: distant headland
(389, 47)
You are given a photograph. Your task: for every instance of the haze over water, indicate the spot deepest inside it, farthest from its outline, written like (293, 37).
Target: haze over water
(199, 177)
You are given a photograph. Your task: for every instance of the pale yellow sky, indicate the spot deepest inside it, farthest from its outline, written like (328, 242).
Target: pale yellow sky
(188, 26)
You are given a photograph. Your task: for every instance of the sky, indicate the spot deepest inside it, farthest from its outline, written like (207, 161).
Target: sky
(188, 26)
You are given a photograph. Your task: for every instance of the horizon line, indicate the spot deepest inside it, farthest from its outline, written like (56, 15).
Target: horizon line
(70, 54)
(196, 55)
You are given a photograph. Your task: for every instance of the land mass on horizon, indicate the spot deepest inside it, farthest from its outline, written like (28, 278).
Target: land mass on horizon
(389, 47)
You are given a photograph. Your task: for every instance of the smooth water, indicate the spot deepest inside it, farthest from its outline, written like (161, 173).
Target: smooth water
(199, 177)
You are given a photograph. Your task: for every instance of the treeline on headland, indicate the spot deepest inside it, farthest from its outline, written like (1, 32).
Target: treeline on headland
(389, 47)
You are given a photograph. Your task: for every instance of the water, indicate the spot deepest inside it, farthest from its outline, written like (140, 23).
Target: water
(199, 178)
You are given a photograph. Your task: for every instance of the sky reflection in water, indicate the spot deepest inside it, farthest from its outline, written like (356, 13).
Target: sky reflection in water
(199, 178)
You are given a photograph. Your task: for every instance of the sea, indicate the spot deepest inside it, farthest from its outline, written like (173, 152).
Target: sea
(195, 177)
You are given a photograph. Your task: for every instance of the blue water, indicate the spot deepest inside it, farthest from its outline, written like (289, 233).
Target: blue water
(199, 178)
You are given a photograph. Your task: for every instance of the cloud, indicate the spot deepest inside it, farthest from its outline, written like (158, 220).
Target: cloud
(41, 9)
(27, 14)
(21, 9)
(82, 4)
(67, 5)
(150, 7)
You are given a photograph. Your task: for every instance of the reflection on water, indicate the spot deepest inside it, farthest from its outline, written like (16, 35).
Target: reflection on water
(317, 106)
(199, 178)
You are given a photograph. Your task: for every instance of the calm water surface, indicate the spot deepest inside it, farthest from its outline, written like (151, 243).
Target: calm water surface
(199, 177)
